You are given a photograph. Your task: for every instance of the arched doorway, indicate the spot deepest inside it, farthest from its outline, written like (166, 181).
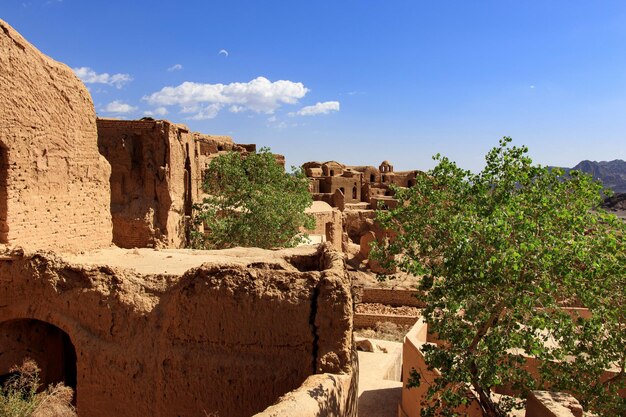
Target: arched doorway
(43, 342)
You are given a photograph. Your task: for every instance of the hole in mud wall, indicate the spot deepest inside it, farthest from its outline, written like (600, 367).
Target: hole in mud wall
(305, 263)
(4, 176)
(354, 192)
(372, 178)
(42, 342)
(332, 173)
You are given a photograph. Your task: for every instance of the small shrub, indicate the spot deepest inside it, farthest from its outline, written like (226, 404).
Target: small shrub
(22, 395)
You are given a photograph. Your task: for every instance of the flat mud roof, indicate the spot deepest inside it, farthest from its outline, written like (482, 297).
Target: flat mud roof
(178, 261)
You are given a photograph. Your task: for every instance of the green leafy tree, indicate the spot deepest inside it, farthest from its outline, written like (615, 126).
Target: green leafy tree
(251, 201)
(501, 251)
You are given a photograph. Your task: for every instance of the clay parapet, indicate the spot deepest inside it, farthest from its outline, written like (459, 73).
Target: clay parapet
(229, 335)
(54, 185)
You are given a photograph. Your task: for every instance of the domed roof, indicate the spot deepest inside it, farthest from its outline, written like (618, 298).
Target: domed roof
(385, 162)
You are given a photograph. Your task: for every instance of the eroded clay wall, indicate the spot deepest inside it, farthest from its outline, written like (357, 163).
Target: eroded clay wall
(154, 180)
(157, 173)
(55, 184)
(222, 338)
(350, 186)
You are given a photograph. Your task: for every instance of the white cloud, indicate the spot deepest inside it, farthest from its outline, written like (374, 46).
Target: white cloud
(223, 52)
(259, 95)
(159, 111)
(89, 76)
(117, 106)
(318, 108)
(207, 112)
(175, 67)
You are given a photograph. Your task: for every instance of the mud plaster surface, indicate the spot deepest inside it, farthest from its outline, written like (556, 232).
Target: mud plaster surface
(179, 261)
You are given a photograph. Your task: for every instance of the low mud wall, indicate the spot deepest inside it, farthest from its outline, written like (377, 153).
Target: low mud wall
(364, 320)
(393, 297)
(221, 339)
(325, 395)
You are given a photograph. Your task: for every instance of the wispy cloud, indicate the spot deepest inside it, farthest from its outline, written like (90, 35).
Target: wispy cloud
(89, 76)
(318, 108)
(207, 112)
(159, 111)
(119, 107)
(175, 67)
(205, 101)
(223, 52)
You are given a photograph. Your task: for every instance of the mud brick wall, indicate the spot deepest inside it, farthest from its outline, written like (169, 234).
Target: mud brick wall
(54, 184)
(393, 297)
(222, 338)
(151, 181)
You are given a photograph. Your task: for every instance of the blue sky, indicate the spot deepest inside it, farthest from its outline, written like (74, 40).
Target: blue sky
(355, 81)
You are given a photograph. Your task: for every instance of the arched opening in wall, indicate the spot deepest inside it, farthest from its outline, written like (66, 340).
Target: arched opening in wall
(383, 178)
(354, 192)
(50, 347)
(343, 190)
(4, 193)
(332, 173)
(372, 178)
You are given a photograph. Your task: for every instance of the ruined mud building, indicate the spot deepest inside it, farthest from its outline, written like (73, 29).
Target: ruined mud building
(149, 332)
(356, 187)
(157, 169)
(358, 191)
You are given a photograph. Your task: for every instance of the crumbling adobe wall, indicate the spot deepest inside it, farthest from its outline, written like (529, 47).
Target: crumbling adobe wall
(157, 170)
(228, 337)
(151, 180)
(54, 185)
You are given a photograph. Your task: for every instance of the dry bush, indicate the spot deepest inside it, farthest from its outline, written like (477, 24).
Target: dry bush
(21, 395)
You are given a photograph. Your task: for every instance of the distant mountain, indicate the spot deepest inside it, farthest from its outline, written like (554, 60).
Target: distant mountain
(611, 173)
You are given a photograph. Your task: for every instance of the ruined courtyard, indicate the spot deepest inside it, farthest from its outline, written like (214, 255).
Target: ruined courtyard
(98, 284)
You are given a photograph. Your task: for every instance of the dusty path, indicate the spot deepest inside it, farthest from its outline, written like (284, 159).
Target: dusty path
(378, 396)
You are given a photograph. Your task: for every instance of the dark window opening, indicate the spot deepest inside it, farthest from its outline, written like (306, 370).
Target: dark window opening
(354, 193)
(372, 178)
